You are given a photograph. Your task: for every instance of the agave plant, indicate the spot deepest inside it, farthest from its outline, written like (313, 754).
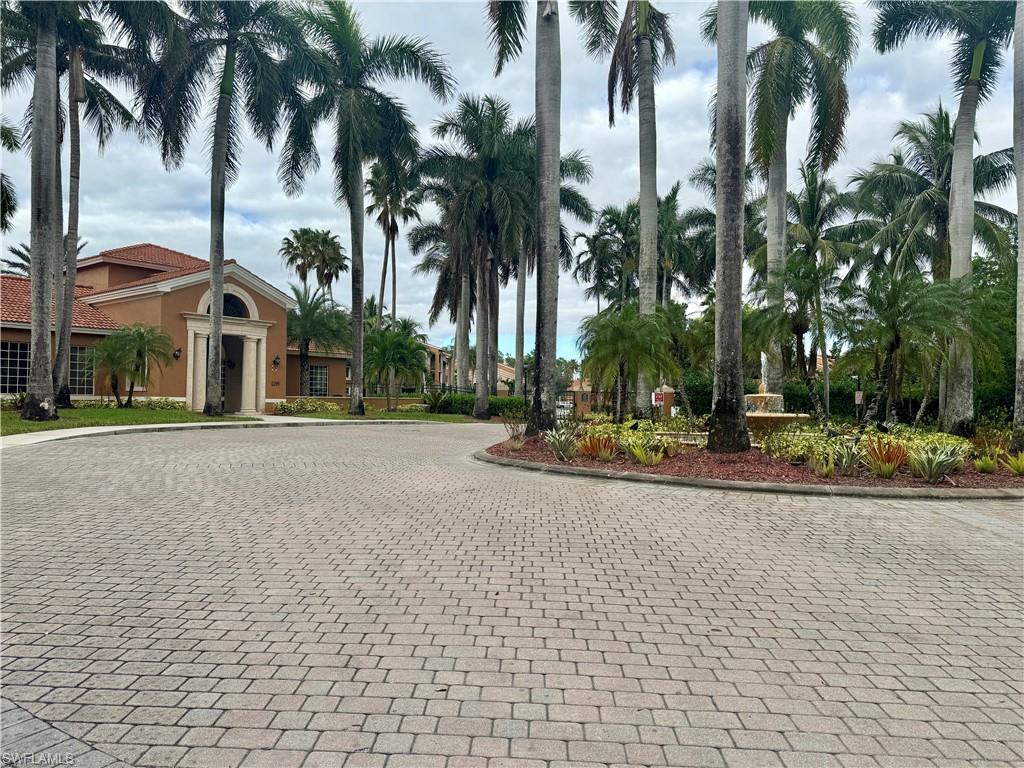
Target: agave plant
(1014, 463)
(562, 442)
(933, 463)
(884, 457)
(645, 449)
(600, 447)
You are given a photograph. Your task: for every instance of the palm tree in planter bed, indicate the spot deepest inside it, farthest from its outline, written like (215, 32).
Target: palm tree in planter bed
(394, 353)
(619, 345)
(315, 320)
(130, 354)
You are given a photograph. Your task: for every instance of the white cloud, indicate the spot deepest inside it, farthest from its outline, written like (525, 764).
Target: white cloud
(128, 197)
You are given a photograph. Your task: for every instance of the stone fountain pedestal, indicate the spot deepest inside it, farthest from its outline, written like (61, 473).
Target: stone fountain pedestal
(766, 411)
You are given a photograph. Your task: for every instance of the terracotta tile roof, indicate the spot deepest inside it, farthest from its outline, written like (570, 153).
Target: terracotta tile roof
(314, 349)
(202, 266)
(16, 306)
(152, 255)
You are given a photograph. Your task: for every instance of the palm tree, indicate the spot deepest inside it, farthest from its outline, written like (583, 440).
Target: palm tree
(10, 140)
(233, 49)
(1018, 155)
(981, 30)
(396, 352)
(507, 31)
(146, 347)
(818, 235)
(610, 261)
(344, 74)
(394, 196)
(21, 264)
(45, 230)
(486, 168)
(315, 320)
(639, 45)
(110, 358)
(903, 203)
(728, 422)
(807, 60)
(318, 251)
(619, 345)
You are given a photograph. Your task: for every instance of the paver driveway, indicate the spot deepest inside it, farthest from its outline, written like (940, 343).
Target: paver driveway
(366, 595)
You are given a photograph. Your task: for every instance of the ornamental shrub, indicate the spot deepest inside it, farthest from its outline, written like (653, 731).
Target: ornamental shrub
(305, 405)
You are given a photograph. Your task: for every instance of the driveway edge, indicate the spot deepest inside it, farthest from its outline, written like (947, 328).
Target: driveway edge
(48, 436)
(925, 494)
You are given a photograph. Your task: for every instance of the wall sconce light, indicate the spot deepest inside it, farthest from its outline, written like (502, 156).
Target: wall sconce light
(230, 364)
(177, 354)
(276, 362)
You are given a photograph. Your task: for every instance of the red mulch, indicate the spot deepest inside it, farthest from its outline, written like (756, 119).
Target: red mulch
(754, 466)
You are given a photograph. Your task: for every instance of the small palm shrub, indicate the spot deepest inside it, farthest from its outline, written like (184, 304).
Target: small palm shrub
(884, 457)
(645, 450)
(562, 442)
(1014, 463)
(935, 462)
(14, 402)
(986, 464)
(438, 401)
(600, 447)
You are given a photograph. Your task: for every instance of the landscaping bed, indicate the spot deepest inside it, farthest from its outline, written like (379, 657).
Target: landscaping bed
(753, 466)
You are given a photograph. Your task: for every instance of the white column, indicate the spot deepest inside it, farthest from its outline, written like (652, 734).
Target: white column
(249, 361)
(199, 371)
(261, 376)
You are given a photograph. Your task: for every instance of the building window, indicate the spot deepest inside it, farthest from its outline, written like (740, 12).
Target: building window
(348, 370)
(82, 377)
(13, 366)
(318, 380)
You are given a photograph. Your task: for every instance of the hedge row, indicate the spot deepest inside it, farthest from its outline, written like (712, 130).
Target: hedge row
(462, 402)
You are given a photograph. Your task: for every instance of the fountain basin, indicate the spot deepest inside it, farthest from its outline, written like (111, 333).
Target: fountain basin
(765, 402)
(760, 422)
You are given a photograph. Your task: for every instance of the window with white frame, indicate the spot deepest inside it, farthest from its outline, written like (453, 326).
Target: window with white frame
(82, 378)
(348, 370)
(318, 380)
(13, 366)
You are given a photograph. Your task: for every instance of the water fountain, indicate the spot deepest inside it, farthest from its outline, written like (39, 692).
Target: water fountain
(766, 410)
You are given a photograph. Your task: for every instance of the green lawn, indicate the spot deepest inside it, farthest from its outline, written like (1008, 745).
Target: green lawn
(453, 418)
(11, 423)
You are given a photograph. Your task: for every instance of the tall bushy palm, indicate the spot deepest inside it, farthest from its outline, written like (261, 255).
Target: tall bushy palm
(980, 29)
(638, 45)
(507, 31)
(1018, 156)
(903, 202)
(619, 345)
(610, 261)
(307, 250)
(130, 354)
(394, 196)
(814, 44)
(345, 73)
(728, 422)
(45, 230)
(486, 166)
(396, 352)
(234, 49)
(10, 141)
(315, 319)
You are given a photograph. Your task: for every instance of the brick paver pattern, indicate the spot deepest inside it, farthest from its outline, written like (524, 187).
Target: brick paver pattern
(369, 596)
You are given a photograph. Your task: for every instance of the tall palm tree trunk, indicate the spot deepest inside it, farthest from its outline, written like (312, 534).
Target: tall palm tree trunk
(548, 91)
(959, 414)
(383, 278)
(480, 404)
(39, 405)
(304, 368)
(214, 405)
(822, 344)
(492, 327)
(728, 422)
(394, 279)
(648, 198)
(355, 215)
(462, 330)
(776, 236)
(1018, 160)
(62, 364)
(59, 244)
(520, 385)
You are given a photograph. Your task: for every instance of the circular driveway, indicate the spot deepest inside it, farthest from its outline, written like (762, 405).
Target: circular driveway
(366, 595)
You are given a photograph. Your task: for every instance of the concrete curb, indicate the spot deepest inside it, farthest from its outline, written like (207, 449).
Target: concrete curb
(936, 494)
(49, 436)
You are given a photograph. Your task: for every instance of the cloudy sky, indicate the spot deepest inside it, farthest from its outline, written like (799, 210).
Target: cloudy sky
(128, 197)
